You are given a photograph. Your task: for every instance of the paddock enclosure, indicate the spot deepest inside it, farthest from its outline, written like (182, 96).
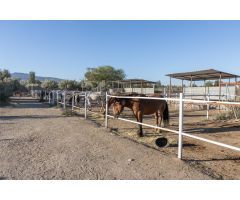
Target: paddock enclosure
(205, 142)
(204, 129)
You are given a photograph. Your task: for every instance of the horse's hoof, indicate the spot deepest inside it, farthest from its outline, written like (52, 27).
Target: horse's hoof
(158, 131)
(140, 134)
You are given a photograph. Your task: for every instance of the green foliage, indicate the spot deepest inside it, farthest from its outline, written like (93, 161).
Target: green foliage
(5, 91)
(31, 78)
(104, 73)
(4, 75)
(49, 84)
(69, 113)
(194, 85)
(8, 85)
(228, 115)
(209, 83)
(38, 82)
(7, 88)
(216, 83)
(158, 84)
(69, 85)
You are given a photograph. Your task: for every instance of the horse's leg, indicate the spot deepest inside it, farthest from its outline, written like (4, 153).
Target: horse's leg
(102, 107)
(161, 118)
(157, 122)
(89, 105)
(140, 127)
(140, 119)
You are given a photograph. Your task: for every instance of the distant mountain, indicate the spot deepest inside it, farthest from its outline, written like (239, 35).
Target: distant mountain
(24, 77)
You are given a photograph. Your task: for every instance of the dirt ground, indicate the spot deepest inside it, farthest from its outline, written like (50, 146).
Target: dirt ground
(215, 161)
(38, 142)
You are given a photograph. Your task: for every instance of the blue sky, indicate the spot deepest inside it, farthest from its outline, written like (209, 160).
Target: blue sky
(144, 49)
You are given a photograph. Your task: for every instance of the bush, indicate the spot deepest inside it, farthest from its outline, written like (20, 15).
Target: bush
(6, 90)
(228, 115)
(69, 113)
(8, 87)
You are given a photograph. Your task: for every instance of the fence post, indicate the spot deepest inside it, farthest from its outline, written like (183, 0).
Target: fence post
(53, 97)
(208, 99)
(57, 99)
(64, 100)
(106, 111)
(180, 126)
(73, 96)
(49, 97)
(85, 104)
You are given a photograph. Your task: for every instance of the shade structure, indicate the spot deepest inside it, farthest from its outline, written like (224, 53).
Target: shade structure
(203, 75)
(135, 81)
(209, 74)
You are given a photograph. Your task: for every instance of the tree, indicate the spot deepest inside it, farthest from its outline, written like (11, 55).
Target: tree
(16, 85)
(158, 84)
(194, 85)
(38, 82)
(8, 85)
(104, 73)
(209, 84)
(4, 75)
(69, 85)
(216, 83)
(49, 84)
(31, 78)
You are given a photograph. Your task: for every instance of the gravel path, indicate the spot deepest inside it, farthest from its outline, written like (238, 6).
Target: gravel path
(37, 142)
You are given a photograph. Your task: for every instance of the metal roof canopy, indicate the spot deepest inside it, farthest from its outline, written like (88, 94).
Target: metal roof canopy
(210, 74)
(134, 81)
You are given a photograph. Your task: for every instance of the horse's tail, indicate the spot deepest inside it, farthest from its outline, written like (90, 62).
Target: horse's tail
(166, 115)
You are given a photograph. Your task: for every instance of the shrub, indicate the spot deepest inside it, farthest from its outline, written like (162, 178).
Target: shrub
(228, 115)
(69, 113)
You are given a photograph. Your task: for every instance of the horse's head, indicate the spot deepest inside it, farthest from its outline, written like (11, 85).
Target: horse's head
(118, 105)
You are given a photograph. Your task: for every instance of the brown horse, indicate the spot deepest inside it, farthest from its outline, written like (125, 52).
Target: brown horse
(141, 107)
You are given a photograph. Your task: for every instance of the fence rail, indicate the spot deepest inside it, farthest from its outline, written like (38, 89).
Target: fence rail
(180, 100)
(181, 114)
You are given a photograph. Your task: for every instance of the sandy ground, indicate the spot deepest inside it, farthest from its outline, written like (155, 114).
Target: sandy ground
(38, 142)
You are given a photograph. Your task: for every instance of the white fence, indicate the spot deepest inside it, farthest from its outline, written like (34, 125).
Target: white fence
(227, 92)
(53, 97)
(140, 90)
(180, 100)
(181, 117)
